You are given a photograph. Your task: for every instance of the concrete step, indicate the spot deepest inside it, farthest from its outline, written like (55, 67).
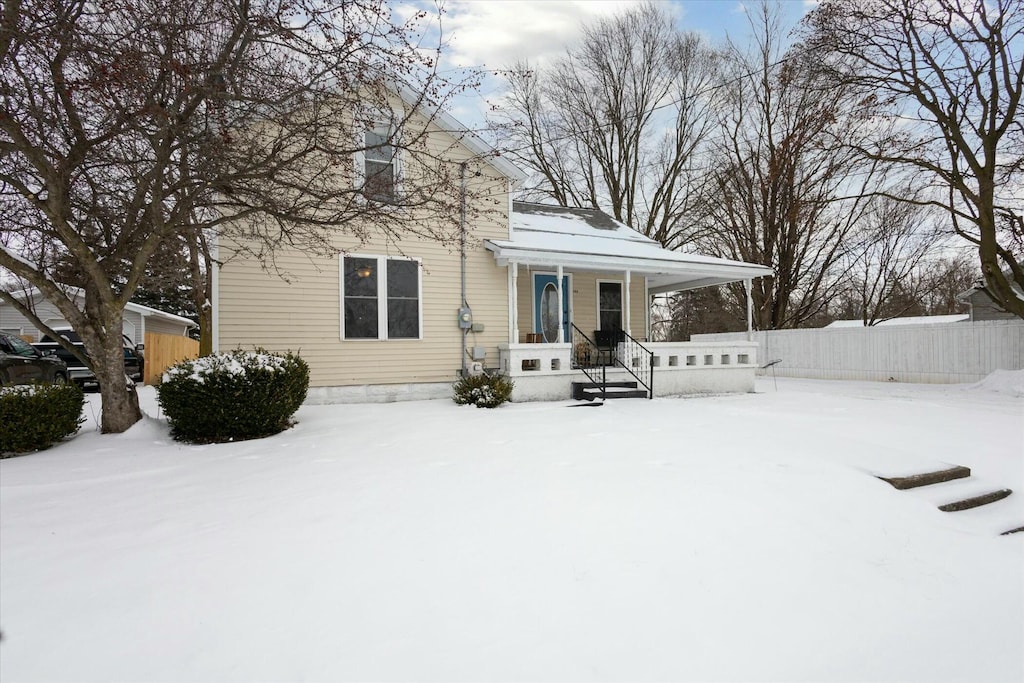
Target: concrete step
(588, 391)
(975, 501)
(616, 393)
(928, 478)
(590, 385)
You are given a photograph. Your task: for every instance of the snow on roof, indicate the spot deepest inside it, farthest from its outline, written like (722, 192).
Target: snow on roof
(529, 217)
(543, 234)
(909, 320)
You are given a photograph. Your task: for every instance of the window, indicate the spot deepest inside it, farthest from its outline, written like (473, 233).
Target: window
(380, 171)
(609, 305)
(380, 298)
(21, 348)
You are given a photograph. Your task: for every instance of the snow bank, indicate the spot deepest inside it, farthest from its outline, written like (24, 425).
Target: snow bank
(1009, 382)
(729, 538)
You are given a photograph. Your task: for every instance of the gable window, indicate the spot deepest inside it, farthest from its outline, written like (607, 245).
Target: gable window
(380, 298)
(380, 170)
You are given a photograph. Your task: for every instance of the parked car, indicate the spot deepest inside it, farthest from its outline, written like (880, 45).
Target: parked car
(20, 363)
(134, 361)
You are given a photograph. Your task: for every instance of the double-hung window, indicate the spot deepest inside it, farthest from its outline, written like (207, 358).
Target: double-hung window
(380, 165)
(380, 298)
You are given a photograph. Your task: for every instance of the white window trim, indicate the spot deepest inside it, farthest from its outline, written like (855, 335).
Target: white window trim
(359, 158)
(382, 296)
(622, 301)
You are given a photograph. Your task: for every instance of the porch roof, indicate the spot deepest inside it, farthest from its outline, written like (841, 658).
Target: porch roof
(587, 239)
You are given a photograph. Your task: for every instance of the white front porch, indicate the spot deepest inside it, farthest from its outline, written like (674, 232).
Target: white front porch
(545, 372)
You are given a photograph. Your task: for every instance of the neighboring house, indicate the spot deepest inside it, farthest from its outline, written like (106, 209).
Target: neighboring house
(907, 320)
(983, 306)
(138, 320)
(547, 290)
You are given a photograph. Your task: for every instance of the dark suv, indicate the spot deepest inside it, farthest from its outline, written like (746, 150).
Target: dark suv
(77, 371)
(22, 364)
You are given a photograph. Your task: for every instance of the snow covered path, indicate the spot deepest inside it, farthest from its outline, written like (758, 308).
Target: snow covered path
(725, 538)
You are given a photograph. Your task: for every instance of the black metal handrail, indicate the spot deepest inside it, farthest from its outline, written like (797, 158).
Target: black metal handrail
(632, 351)
(635, 351)
(587, 357)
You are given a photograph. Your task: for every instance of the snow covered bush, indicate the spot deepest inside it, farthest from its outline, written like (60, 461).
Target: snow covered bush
(483, 391)
(233, 396)
(36, 416)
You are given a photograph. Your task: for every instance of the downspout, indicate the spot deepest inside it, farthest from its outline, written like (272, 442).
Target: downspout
(462, 253)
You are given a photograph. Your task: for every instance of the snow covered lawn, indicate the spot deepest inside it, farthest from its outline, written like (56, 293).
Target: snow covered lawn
(724, 538)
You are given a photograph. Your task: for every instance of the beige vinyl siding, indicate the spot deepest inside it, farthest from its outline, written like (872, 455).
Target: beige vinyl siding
(583, 301)
(304, 313)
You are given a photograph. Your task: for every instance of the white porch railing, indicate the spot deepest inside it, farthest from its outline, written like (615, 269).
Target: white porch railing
(533, 359)
(546, 372)
(682, 355)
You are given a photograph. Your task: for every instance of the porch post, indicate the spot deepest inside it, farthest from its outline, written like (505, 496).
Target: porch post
(750, 310)
(513, 302)
(625, 305)
(561, 313)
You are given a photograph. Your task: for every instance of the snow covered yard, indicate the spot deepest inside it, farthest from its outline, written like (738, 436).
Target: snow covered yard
(724, 538)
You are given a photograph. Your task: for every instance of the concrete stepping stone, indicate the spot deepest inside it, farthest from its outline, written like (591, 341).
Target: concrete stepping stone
(975, 501)
(928, 478)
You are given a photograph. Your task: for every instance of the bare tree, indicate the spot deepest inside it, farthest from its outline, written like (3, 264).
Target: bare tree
(885, 274)
(130, 123)
(950, 73)
(947, 278)
(707, 310)
(618, 122)
(783, 192)
(178, 279)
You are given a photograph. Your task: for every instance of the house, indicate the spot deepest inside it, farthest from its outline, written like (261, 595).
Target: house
(983, 306)
(138, 321)
(163, 335)
(549, 296)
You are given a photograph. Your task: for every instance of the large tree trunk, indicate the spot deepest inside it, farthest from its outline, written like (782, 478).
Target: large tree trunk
(120, 400)
(106, 352)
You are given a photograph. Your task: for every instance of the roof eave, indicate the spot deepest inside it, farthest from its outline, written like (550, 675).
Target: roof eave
(464, 135)
(720, 273)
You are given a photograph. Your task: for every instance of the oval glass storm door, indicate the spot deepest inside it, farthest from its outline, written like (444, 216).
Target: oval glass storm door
(549, 312)
(545, 307)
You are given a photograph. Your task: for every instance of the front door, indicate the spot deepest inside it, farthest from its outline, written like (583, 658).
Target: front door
(545, 307)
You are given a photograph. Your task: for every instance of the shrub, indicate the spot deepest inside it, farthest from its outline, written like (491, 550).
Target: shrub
(233, 396)
(483, 391)
(36, 416)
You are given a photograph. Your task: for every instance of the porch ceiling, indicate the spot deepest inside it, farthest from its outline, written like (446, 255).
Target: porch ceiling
(665, 270)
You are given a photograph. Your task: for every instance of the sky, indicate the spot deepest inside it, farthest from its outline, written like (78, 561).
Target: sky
(493, 34)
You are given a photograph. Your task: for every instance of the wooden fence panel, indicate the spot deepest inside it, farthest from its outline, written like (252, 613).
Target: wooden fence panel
(941, 354)
(163, 351)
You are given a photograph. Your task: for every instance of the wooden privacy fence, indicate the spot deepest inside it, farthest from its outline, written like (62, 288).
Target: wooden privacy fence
(938, 354)
(164, 350)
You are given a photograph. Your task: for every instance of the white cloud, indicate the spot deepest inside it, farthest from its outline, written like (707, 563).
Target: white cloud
(496, 33)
